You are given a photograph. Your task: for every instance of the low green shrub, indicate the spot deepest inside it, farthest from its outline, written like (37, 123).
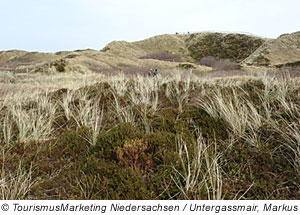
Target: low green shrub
(234, 47)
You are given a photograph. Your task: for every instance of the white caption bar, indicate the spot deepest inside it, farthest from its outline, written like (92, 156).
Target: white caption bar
(149, 207)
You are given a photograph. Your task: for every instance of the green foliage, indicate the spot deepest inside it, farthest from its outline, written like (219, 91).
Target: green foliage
(73, 143)
(116, 180)
(130, 165)
(254, 90)
(235, 47)
(109, 141)
(60, 65)
(270, 176)
(166, 120)
(209, 127)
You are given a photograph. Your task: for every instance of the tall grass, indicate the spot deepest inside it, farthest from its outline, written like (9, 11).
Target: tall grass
(144, 95)
(237, 111)
(16, 186)
(33, 118)
(200, 173)
(85, 112)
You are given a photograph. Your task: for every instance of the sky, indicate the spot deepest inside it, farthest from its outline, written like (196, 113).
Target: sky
(57, 25)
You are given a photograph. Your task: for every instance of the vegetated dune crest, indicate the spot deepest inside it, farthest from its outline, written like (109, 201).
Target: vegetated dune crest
(167, 51)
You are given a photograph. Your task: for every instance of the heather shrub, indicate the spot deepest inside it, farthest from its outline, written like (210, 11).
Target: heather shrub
(60, 65)
(235, 47)
(208, 61)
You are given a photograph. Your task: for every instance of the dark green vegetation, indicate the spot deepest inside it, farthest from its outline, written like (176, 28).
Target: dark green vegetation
(147, 159)
(235, 47)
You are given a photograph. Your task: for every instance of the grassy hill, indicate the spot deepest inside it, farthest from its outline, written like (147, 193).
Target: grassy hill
(20, 60)
(235, 47)
(126, 56)
(108, 62)
(191, 47)
(163, 43)
(186, 51)
(116, 56)
(285, 50)
(8, 55)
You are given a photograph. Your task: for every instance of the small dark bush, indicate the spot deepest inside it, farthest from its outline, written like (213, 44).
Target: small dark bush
(117, 180)
(111, 140)
(70, 56)
(73, 143)
(60, 65)
(270, 175)
(106, 48)
(164, 56)
(208, 61)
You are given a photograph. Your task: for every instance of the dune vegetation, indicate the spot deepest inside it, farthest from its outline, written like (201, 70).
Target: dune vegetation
(221, 120)
(167, 51)
(178, 135)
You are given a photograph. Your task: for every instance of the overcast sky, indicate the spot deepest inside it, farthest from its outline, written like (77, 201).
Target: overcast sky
(54, 25)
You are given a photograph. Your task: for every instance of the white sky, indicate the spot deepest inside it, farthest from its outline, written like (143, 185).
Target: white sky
(54, 25)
